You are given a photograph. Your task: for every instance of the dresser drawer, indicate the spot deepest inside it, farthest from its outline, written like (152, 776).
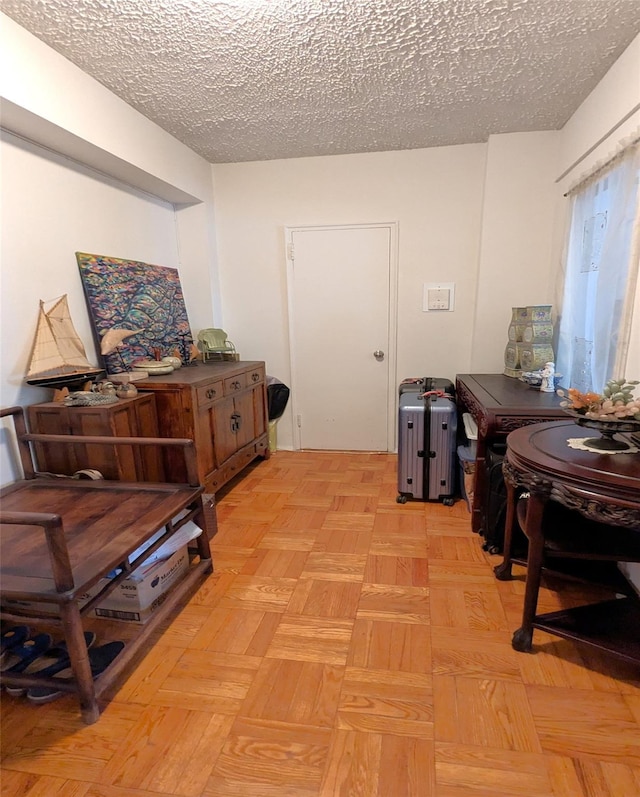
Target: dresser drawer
(209, 393)
(235, 383)
(255, 376)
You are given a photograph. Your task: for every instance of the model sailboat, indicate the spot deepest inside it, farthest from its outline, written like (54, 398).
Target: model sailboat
(58, 358)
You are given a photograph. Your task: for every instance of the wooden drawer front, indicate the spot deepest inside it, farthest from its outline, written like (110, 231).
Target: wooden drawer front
(210, 393)
(238, 462)
(231, 468)
(221, 476)
(235, 383)
(214, 482)
(256, 376)
(262, 445)
(243, 458)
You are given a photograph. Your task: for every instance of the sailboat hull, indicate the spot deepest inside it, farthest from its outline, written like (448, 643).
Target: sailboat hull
(71, 381)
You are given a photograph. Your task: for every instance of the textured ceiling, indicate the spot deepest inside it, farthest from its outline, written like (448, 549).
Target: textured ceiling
(240, 80)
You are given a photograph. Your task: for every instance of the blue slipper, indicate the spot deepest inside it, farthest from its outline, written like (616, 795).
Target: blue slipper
(20, 656)
(99, 659)
(50, 662)
(13, 636)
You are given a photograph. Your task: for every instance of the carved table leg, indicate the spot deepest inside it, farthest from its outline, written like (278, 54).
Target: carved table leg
(503, 571)
(533, 529)
(479, 486)
(522, 640)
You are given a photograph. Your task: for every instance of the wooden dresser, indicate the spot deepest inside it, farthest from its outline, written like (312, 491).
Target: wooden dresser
(222, 406)
(132, 417)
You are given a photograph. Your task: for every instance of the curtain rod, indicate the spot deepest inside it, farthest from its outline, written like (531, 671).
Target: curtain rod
(604, 165)
(598, 142)
(567, 171)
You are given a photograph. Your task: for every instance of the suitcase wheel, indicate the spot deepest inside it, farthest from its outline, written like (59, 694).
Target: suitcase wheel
(448, 501)
(401, 499)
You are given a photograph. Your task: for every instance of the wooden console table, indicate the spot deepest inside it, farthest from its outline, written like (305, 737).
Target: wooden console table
(499, 404)
(61, 536)
(601, 488)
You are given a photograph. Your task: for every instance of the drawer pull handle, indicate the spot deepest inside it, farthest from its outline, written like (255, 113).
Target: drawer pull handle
(255, 377)
(211, 392)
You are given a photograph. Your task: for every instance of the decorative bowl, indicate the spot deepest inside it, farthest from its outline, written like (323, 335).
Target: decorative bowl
(607, 430)
(154, 367)
(534, 379)
(126, 390)
(531, 378)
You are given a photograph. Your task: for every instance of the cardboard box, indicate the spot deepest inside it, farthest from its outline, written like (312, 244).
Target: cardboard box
(183, 536)
(136, 598)
(139, 595)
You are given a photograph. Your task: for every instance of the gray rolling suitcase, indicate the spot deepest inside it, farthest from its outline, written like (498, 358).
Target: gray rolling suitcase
(426, 448)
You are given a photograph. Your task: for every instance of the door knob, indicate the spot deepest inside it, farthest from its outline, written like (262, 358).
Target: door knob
(379, 355)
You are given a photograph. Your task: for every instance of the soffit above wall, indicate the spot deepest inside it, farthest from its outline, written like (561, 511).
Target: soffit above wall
(34, 129)
(242, 80)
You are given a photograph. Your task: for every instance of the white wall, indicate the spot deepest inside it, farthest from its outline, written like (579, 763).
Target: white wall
(435, 195)
(83, 171)
(610, 113)
(490, 218)
(66, 209)
(516, 242)
(45, 96)
(59, 209)
(476, 215)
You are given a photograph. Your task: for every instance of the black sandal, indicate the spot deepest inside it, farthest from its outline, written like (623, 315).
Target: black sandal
(50, 662)
(99, 659)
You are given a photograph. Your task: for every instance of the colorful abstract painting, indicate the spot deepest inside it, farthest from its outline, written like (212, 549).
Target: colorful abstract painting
(128, 295)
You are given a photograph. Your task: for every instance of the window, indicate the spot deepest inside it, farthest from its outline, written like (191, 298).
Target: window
(600, 275)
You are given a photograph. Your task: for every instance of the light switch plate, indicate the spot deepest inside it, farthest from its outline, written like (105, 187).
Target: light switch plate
(438, 297)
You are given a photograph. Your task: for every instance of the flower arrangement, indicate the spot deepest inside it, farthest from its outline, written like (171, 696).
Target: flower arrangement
(615, 403)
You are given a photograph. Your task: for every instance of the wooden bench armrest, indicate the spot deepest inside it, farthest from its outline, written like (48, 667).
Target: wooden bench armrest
(188, 446)
(24, 438)
(56, 543)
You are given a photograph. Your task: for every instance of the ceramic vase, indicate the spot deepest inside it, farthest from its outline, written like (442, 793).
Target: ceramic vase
(530, 336)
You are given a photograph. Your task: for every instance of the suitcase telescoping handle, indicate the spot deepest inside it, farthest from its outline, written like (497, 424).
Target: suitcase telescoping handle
(436, 394)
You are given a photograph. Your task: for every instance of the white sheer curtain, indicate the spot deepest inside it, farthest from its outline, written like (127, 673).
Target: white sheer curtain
(600, 275)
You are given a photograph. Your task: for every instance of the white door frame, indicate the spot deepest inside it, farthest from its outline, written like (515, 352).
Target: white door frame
(391, 352)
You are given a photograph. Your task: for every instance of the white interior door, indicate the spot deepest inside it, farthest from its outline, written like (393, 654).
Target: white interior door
(342, 334)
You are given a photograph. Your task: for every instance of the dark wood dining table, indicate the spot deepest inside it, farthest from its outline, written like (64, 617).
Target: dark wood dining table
(599, 496)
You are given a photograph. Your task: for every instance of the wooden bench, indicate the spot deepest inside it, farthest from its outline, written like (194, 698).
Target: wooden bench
(60, 536)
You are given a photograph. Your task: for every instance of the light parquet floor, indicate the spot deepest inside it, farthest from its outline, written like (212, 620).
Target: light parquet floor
(345, 645)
